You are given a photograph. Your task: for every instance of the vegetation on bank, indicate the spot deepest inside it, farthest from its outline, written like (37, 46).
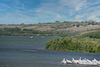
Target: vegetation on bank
(29, 32)
(74, 44)
(95, 34)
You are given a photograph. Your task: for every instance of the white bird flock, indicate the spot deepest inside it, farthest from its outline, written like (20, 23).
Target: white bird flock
(81, 61)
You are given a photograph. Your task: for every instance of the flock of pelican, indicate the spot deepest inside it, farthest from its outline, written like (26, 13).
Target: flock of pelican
(81, 61)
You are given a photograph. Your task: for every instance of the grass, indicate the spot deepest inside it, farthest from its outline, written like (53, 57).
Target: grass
(74, 45)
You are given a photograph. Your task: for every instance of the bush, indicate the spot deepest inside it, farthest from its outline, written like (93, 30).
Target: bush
(74, 44)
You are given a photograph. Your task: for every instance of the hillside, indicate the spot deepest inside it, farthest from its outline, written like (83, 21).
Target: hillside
(93, 34)
(65, 28)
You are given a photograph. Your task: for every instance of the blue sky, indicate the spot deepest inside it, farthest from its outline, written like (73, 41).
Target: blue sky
(34, 11)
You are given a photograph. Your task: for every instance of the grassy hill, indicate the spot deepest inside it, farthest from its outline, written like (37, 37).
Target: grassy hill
(57, 28)
(93, 34)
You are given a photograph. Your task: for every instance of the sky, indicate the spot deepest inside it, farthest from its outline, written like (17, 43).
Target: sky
(34, 11)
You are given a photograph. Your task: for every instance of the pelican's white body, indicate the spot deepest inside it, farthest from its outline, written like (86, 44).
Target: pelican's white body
(81, 62)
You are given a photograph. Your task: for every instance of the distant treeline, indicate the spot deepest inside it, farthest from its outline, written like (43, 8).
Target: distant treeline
(74, 44)
(29, 32)
(95, 34)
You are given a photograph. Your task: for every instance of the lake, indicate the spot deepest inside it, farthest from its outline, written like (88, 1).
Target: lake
(23, 51)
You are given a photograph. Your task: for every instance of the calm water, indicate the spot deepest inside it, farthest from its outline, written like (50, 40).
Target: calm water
(23, 51)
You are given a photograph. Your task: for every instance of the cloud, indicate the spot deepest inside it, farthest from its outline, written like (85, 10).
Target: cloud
(90, 12)
(94, 15)
(79, 16)
(16, 14)
(61, 10)
(16, 18)
(74, 4)
(50, 11)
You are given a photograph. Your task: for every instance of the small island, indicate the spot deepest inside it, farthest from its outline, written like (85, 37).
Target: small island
(75, 44)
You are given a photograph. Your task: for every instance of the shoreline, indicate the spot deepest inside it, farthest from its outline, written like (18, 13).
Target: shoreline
(73, 51)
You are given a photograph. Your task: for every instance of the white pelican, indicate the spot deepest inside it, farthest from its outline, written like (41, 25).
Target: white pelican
(81, 61)
(63, 61)
(75, 61)
(89, 62)
(95, 62)
(68, 61)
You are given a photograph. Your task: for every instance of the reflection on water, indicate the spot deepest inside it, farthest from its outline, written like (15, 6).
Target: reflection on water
(23, 51)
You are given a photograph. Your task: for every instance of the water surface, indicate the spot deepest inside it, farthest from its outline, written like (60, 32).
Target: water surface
(23, 51)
